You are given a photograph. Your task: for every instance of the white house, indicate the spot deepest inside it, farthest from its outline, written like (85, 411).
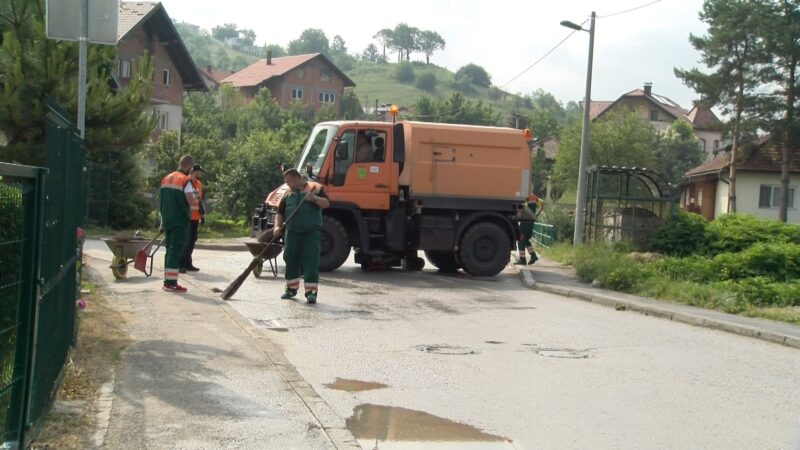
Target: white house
(758, 183)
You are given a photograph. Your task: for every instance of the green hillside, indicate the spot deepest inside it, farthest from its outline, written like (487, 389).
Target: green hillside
(374, 81)
(378, 81)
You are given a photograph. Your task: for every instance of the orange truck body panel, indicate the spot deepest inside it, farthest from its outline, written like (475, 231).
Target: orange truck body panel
(465, 161)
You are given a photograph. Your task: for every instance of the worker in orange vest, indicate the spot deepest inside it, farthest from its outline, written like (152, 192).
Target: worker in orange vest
(526, 233)
(198, 211)
(176, 198)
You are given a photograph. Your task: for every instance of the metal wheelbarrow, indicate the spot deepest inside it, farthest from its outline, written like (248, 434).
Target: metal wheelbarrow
(125, 251)
(270, 255)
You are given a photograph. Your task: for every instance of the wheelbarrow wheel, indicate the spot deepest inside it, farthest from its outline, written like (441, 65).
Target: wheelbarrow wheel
(119, 267)
(257, 269)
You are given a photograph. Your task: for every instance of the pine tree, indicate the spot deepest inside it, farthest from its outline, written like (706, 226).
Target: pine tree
(33, 67)
(734, 50)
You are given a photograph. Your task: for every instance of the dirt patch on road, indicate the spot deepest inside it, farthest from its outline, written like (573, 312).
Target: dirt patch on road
(102, 336)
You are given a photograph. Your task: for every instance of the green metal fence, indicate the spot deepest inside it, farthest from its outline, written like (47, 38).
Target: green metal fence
(544, 235)
(21, 201)
(41, 211)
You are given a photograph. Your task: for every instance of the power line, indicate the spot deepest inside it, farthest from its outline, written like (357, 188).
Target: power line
(543, 56)
(628, 10)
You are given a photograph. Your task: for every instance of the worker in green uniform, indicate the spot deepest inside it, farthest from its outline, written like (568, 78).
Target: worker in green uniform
(304, 204)
(177, 199)
(526, 233)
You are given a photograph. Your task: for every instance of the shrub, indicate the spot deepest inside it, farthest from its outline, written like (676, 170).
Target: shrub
(693, 268)
(736, 232)
(626, 277)
(683, 235)
(427, 81)
(777, 262)
(760, 292)
(562, 220)
(404, 72)
(596, 261)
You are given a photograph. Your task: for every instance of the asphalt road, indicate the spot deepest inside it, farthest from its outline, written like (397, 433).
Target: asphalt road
(423, 360)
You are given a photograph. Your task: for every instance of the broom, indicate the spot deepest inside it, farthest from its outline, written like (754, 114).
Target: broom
(237, 283)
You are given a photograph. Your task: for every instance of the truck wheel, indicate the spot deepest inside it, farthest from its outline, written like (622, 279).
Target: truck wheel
(444, 261)
(484, 249)
(334, 245)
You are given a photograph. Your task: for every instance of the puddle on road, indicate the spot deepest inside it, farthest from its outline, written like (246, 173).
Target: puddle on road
(342, 384)
(386, 427)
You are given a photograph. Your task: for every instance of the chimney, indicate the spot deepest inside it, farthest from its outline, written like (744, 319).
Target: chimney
(648, 88)
(269, 57)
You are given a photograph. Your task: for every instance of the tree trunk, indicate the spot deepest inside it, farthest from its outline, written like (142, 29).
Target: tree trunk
(788, 141)
(735, 152)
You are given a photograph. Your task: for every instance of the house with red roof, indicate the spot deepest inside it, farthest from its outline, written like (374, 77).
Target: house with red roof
(213, 77)
(311, 80)
(662, 112)
(145, 28)
(758, 182)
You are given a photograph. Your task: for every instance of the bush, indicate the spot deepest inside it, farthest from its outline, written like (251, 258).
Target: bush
(736, 232)
(683, 235)
(404, 72)
(596, 261)
(427, 82)
(562, 220)
(760, 292)
(626, 277)
(777, 262)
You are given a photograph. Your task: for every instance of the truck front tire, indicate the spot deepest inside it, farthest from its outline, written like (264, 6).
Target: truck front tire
(335, 246)
(484, 249)
(444, 261)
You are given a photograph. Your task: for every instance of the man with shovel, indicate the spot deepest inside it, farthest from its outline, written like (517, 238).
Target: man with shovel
(303, 203)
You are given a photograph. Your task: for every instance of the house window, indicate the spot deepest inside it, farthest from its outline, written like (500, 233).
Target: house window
(297, 94)
(124, 69)
(163, 120)
(702, 143)
(654, 115)
(700, 197)
(769, 197)
(301, 73)
(165, 77)
(327, 97)
(325, 75)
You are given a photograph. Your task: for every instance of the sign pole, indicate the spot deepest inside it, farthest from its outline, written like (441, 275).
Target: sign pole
(82, 51)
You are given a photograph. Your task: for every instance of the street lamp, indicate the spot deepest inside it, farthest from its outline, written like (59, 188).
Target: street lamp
(580, 202)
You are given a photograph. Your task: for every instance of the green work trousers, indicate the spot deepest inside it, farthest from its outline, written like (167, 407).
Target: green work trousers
(175, 242)
(302, 250)
(526, 234)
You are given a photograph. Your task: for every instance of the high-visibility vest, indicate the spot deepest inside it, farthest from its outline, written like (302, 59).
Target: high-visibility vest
(198, 194)
(174, 207)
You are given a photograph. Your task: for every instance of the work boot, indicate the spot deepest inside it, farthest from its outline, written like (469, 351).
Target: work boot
(290, 293)
(175, 288)
(192, 269)
(182, 270)
(533, 259)
(521, 261)
(311, 297)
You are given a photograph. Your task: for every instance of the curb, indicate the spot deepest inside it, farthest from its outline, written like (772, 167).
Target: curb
(664, 313)
(239, 247)
(330, 422)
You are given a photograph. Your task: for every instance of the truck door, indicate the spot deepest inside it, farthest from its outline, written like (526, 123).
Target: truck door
(362, 171)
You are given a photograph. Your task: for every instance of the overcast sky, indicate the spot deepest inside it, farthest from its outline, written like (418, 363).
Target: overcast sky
(504, 37)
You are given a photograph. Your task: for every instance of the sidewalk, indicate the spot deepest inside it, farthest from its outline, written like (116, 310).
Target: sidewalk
(198, 375)
(550, 276)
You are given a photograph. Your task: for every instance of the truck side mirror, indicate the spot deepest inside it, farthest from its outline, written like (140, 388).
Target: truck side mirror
(341, 151)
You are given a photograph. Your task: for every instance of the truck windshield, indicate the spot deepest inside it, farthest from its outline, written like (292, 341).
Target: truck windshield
(316, 147)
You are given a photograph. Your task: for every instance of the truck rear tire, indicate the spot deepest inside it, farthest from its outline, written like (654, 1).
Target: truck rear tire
(335, 246)
(444, 261)
(484, 250)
